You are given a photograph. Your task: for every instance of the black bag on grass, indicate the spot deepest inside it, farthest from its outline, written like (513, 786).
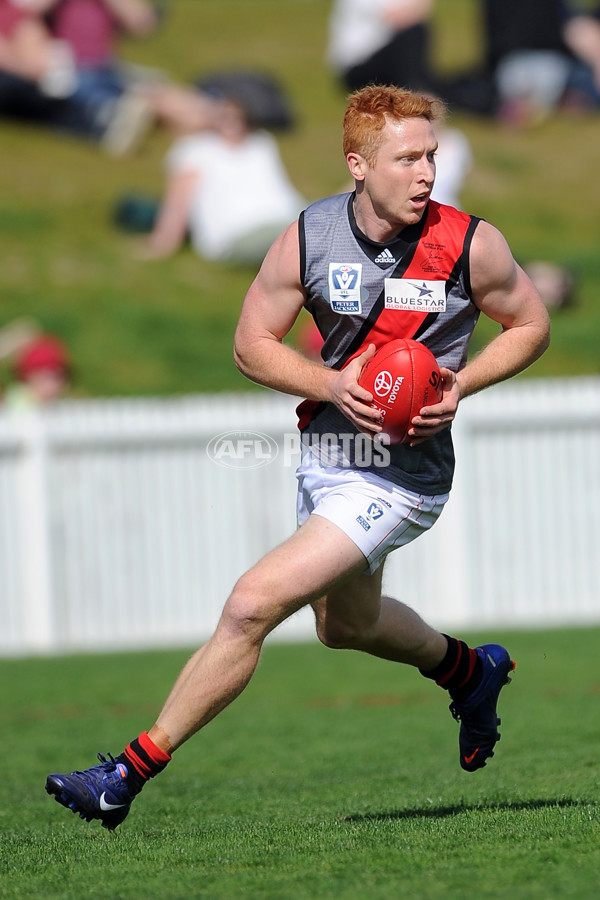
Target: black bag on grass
(259, 95)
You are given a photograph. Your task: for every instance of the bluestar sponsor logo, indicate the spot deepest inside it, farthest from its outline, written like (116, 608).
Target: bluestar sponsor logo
(408, 296)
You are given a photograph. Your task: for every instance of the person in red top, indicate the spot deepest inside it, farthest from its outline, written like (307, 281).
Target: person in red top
(81, 88)
(42, 374)
(29, 51)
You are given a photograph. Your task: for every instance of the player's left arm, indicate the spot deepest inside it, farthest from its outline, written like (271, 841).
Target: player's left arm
(504, 293)
(271, 306)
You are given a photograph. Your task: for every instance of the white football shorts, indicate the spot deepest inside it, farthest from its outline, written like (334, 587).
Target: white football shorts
(376, 514)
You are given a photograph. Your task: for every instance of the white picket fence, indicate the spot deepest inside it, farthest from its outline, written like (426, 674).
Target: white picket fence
(125, 523)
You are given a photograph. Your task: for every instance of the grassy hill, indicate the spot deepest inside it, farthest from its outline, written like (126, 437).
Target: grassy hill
(166, 327)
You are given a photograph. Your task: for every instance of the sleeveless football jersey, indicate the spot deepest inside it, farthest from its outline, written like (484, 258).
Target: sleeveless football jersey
(363, 292)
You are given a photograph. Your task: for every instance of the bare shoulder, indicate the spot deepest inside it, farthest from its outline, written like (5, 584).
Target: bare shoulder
(492, 264)
(489, 248)
(281, 265)
(276, 295)
(500, 287)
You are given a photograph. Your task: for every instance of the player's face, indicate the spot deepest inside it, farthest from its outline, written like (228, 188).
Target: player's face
(398, 184)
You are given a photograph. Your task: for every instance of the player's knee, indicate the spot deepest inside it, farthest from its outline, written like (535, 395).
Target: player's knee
(338, 635)
(247, 613)
(243, 617)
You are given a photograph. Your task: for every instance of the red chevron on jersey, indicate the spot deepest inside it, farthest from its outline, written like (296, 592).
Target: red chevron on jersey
(435, 257)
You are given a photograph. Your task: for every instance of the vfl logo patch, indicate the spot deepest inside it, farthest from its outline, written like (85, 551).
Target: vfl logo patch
(406, 295)
(374, 511)
(344, 288)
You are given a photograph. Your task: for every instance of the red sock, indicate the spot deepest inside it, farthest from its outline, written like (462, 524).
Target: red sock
(143, 759)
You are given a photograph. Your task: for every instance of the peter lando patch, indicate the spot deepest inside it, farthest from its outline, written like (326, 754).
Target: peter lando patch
(344, 288)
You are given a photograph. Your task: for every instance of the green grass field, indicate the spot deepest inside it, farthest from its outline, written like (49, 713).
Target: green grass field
(335, 775)
(166, 327)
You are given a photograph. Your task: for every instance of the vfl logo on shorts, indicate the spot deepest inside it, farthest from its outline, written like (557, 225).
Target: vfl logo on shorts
(374, 512)
(344, 288)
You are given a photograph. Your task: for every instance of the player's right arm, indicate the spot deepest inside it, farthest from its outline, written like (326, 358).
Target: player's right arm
(270, 309)
(505, 294)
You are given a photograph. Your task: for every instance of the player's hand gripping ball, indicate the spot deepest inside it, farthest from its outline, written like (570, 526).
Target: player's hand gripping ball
(403, 377)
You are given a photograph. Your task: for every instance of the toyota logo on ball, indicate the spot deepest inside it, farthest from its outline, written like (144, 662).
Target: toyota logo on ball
(383, 384)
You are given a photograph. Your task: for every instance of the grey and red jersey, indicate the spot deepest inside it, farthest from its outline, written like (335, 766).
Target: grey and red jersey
(363, 292)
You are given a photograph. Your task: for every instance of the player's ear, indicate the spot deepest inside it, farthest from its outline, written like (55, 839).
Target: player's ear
(357, 165)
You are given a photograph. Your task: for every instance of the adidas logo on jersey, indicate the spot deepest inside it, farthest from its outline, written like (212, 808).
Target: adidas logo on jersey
(385, 257)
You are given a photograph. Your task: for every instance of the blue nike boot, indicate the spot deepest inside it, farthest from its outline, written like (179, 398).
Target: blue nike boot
(477, 714)
(101, 792)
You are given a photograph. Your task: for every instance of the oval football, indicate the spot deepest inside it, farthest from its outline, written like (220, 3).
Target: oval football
(403, 377)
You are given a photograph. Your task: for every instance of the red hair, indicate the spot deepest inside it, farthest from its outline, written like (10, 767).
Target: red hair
(369, 110)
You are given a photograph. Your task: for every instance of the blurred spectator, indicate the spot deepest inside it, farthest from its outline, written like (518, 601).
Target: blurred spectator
(554, 283)
(227, 188)
(539, 56)
(79, 86)
(42, 374)
(582, 35)
(188, 109)
(527, 56)
(28, 51)
(16, 335)
(525, 62)
(555, 63)
(453, 162)
(381, 41)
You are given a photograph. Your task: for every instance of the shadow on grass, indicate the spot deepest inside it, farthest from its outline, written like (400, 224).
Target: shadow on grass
(441, 812)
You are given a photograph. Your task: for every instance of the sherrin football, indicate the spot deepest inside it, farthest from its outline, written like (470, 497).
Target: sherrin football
(403, 377)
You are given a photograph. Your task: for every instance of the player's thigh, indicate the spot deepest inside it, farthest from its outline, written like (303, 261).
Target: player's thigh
(317, 558)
